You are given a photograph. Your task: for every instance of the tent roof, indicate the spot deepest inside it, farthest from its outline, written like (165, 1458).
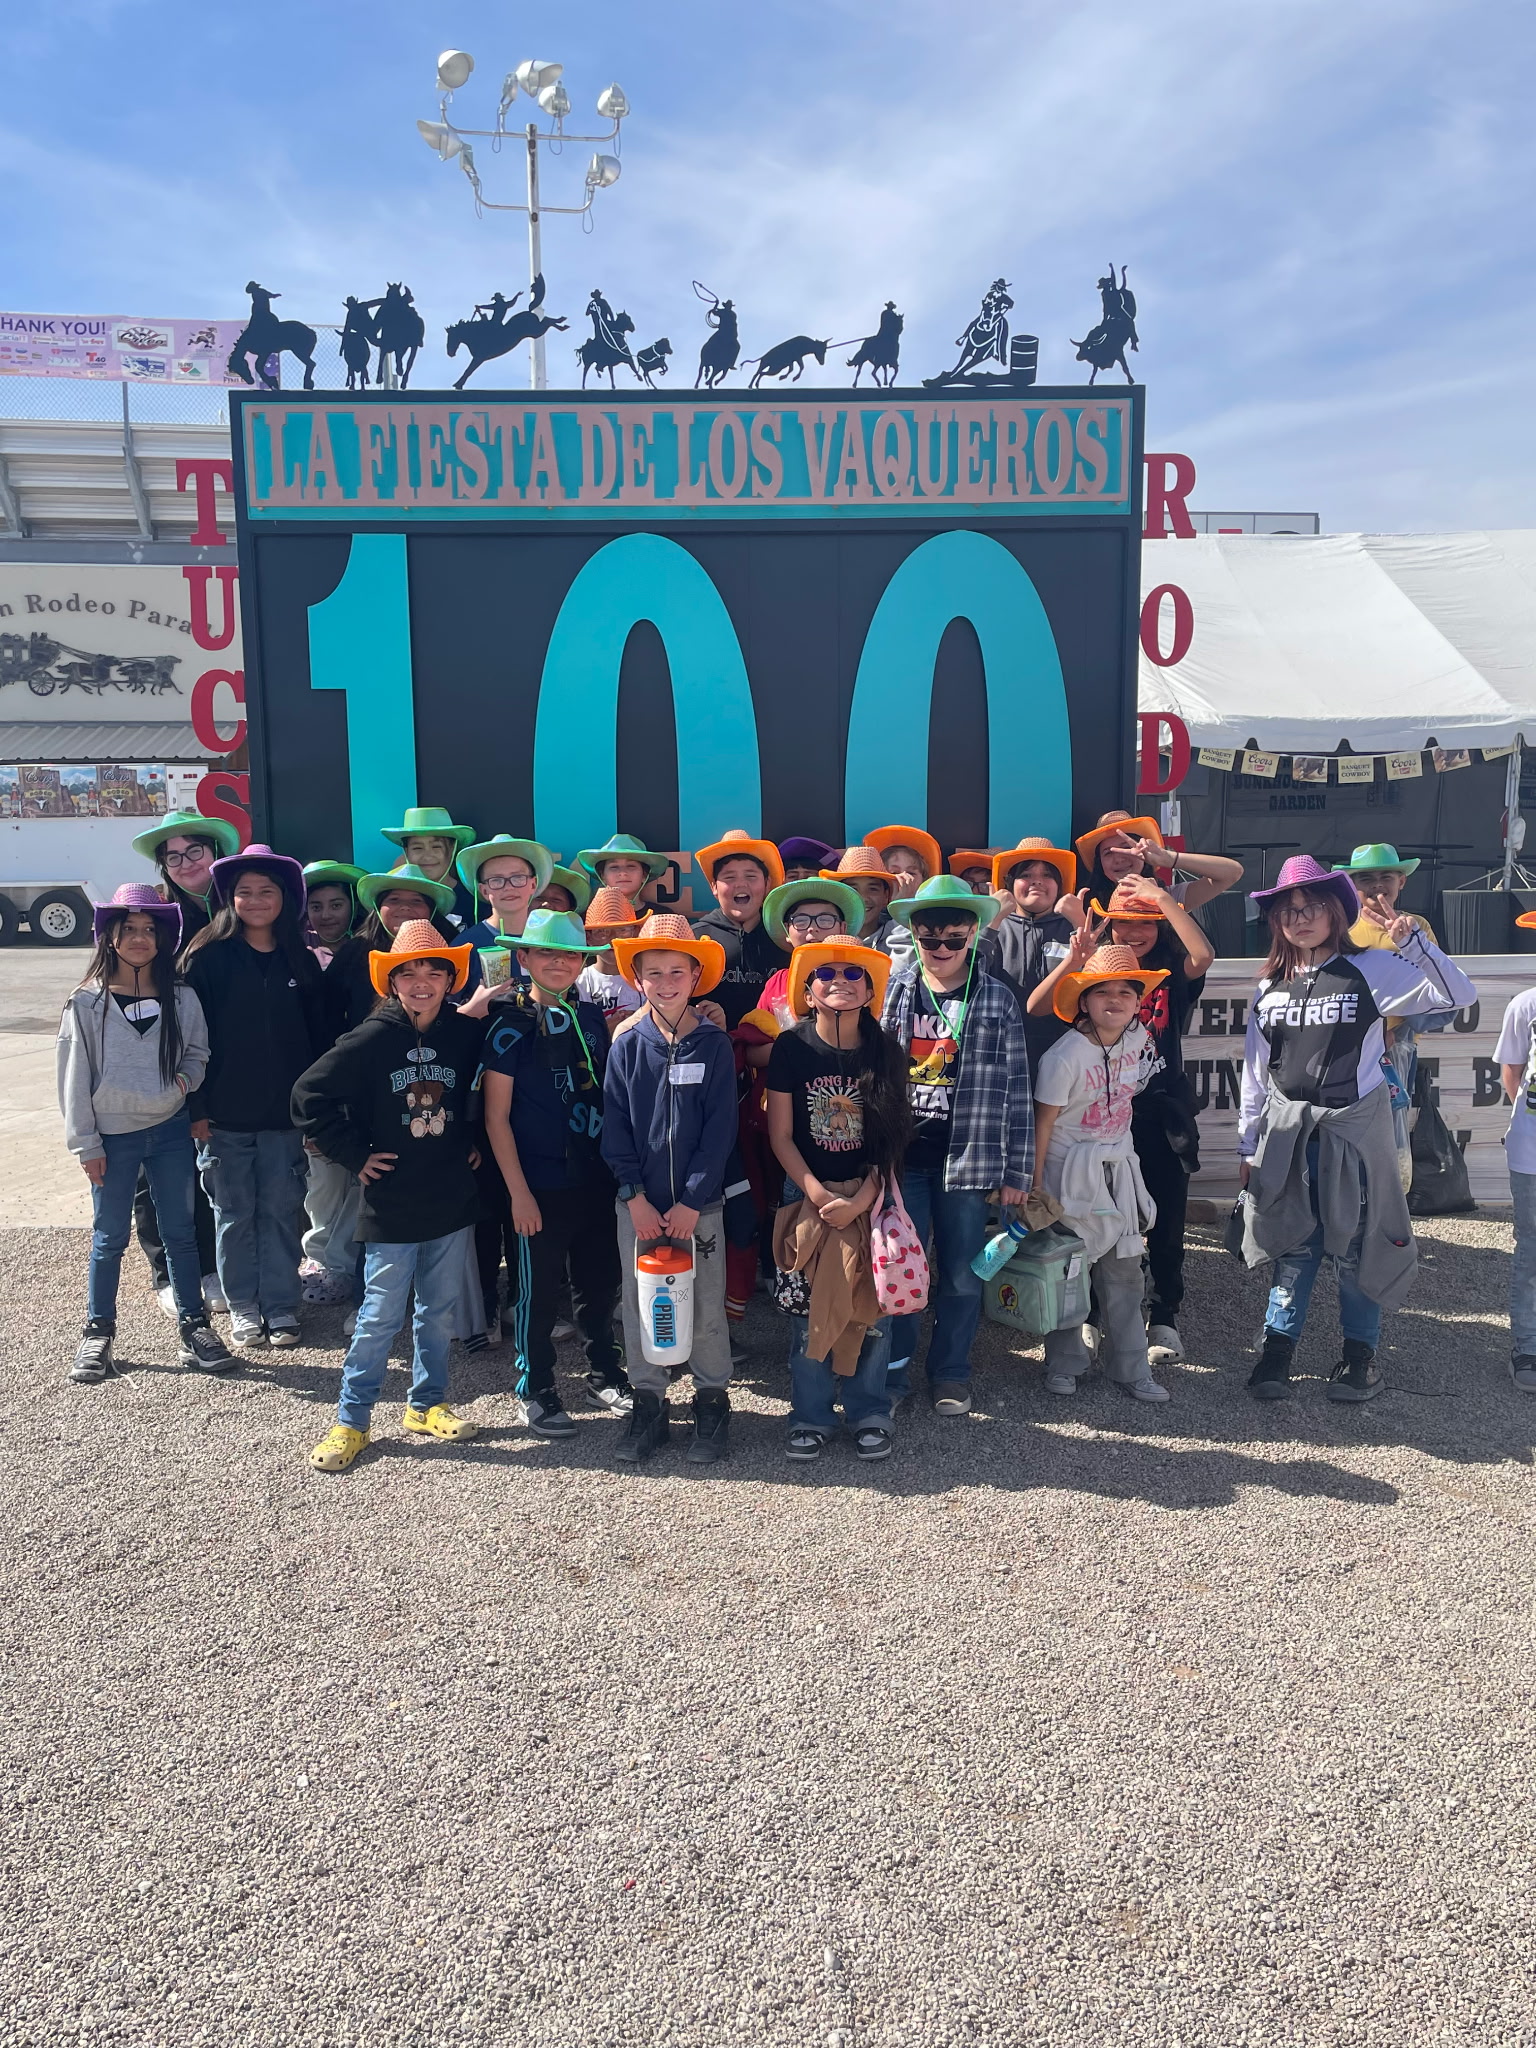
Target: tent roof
(1386, 641)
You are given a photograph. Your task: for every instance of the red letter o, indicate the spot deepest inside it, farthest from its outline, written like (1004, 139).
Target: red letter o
(1183, 625)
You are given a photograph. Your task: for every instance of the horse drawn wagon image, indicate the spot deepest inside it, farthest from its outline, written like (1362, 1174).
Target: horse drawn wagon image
(47, 665)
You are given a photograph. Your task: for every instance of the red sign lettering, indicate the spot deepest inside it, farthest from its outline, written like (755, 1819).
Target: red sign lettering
(197, 604)
(1151, 625)
(1151, 782)
(234, 809)
(204, 473)
(205, 722)
(1170, 479)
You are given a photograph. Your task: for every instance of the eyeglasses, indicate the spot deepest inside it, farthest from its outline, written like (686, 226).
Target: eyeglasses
(828, 974)
(493, 885)
(1298, 913)
(193, 857)
(813, 921)
(942, 945)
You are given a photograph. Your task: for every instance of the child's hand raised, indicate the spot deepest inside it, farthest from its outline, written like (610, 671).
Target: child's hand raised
(1075, 908)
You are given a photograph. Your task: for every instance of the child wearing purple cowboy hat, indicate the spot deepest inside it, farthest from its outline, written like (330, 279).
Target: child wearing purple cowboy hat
(260, 990)
(1319, 1165)
(132, 1047)
(805, 858)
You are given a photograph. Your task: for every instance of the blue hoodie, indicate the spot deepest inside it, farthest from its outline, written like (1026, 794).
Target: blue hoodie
(674, 1136)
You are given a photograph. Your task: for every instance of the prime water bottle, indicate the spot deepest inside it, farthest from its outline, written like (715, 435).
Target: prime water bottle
(664, 1284)
(997, 1251)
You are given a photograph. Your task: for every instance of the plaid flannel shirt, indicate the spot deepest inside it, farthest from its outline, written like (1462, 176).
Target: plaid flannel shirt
(992, 1123)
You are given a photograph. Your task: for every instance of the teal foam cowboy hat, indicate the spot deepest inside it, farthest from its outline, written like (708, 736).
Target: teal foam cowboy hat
(947, 894)
(320, 874)
(189, 825)
(778, 903)
(473, 858)
(551, 931)
(428, 819)
(623, 845)
(577, 881)
(371, 887)
(1378, 858)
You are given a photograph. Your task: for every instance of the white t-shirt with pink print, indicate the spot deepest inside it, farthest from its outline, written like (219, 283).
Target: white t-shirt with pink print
(1091, 1165)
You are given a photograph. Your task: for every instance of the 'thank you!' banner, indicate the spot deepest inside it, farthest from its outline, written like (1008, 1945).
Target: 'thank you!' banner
(116, 347)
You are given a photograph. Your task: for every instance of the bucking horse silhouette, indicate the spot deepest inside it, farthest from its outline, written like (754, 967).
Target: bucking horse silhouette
(265, 335)
(490, 333)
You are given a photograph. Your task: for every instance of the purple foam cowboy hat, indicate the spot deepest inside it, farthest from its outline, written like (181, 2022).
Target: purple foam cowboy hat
(1301, 871)
(136, 896)
(288, 874)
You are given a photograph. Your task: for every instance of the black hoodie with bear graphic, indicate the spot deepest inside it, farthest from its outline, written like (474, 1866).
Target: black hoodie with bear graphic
(386, 1087)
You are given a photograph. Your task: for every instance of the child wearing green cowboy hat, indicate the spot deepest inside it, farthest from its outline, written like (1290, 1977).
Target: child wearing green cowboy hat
(330, 905)
(506, 874)
(385, 901)
(626, 864)
(1378, 872)
(429, 839)
(544, 1057)
(184, 845)
(567, 889)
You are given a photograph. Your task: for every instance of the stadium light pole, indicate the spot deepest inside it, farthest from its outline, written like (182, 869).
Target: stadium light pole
(540, 82)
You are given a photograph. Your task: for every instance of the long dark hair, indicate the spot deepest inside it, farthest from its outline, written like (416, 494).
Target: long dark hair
(162, 984)
(287, 931)
(1284, 960)
(879, 1067)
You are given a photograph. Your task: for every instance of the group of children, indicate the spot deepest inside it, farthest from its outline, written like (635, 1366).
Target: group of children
(399, 1082)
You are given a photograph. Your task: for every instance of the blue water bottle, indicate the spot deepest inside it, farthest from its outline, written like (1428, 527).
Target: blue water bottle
(997, 1251)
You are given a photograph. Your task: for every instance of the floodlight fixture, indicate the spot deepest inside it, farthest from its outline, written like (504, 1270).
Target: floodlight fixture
(436, 136)
(453, 69)
(603, 170)
(612, 104)
(535, 73)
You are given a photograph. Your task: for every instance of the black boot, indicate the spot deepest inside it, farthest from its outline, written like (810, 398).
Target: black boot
(711, 1439)
(649, 1429)
(1357, 1376)
(1270, 1379)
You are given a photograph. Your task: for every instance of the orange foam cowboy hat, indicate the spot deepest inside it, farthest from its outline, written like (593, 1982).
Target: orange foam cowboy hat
(1111, 823)
(965, 857)
(1109, 963)
(1061, 858)
(665, 932)
(886, 836)
(1127, 905)
(805, 960)
(860, 860)
(417, 939)
(731, 845)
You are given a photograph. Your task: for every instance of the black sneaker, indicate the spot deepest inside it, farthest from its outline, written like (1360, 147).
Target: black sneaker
(93, 1354)
(711, 1439)
(649, 1429)
(617, 1396)
(1270, 1379)
(1357, 1376)
(872, 1442)
(802, 1445)
(202, 1349)
(545, 1415)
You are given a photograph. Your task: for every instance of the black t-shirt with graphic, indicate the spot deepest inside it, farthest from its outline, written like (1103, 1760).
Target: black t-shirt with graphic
(826, 1102)
(750, 958)
(556, 1069)
(933, 1064)
(1165, 1011)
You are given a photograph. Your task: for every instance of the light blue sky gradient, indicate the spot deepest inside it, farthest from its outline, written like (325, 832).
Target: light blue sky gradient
(1324, 204)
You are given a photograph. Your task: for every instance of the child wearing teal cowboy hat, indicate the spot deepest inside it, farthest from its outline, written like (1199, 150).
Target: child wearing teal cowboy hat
(626, 864)
(544, 1057)
(387, 900)
(1378, 872)
(567, 889)
(184, 845)
(330, 905)
(506, 874)
(429, 839)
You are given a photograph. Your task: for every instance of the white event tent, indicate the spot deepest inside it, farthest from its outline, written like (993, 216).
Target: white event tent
(1386, 641)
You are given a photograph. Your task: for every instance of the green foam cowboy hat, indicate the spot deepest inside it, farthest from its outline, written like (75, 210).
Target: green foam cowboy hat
(473, 858)
(551, 931)
(371, 887)
(947, 893)
(778, 903)
(320, 874)
(577, 881)
(622, 844)
(432, 819)
(1377, 859)
(190, 825)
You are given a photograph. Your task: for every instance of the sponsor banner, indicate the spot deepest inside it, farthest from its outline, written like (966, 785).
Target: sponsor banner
(1459, 1060)
(117, 347)
(745, 457)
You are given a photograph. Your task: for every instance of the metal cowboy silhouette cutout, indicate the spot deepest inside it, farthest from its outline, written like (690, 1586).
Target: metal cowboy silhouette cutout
(357, 341)
(786, 359)
(265, 335)
(607, 347)
(718, 356)
(880, 352)
(1105, 345)
(652, 361)
(490, 333)
(987, 340)
(399, 331)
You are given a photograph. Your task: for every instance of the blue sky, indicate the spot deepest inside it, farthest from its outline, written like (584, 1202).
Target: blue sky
(1324, 204)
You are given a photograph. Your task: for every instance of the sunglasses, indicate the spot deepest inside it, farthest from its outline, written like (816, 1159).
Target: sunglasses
(942, 945)
(830, 974)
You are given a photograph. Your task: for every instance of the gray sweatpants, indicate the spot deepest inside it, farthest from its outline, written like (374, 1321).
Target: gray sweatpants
(331, 1202)
(710, 1362)
(1117, 1289)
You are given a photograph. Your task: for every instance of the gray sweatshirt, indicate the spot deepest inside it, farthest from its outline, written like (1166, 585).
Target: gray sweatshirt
(109, 1074)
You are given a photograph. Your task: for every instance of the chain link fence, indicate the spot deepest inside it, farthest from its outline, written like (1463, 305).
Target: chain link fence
(70, 398)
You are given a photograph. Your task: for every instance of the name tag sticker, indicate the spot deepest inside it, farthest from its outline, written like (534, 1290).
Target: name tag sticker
(689, 1075)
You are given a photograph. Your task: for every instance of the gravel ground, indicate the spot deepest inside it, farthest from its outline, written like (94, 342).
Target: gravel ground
(1209, 1724)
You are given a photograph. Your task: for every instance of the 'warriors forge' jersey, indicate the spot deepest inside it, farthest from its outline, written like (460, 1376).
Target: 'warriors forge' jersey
(1320, 1036)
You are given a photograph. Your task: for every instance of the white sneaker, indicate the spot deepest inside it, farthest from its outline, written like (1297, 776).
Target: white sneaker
(1148, 1390)
(1163, 1344)
(248, 1331)
(563, 1332)
(1060, 1383)
(166, 1296)
(349, 1323)
(283, 1332)
(213, 1296)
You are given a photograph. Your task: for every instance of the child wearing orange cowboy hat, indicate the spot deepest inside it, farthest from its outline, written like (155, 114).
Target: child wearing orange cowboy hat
(1120, 847)
(1085, 1156)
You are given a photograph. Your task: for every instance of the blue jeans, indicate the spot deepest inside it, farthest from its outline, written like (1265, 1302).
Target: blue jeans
(256, 1181)
(1522, 1272)
(957, 1220)
(436, 1269)
(169, 1159)
(814, 1386)
(1296, 1276)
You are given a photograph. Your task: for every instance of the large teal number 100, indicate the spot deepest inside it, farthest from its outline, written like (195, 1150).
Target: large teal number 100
(360, 642)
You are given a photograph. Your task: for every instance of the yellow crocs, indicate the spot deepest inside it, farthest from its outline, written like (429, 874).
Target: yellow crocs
(337, 1448)
(440, 1421)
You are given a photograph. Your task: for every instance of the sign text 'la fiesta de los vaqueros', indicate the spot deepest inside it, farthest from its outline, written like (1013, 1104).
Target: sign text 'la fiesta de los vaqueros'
(708, 459)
